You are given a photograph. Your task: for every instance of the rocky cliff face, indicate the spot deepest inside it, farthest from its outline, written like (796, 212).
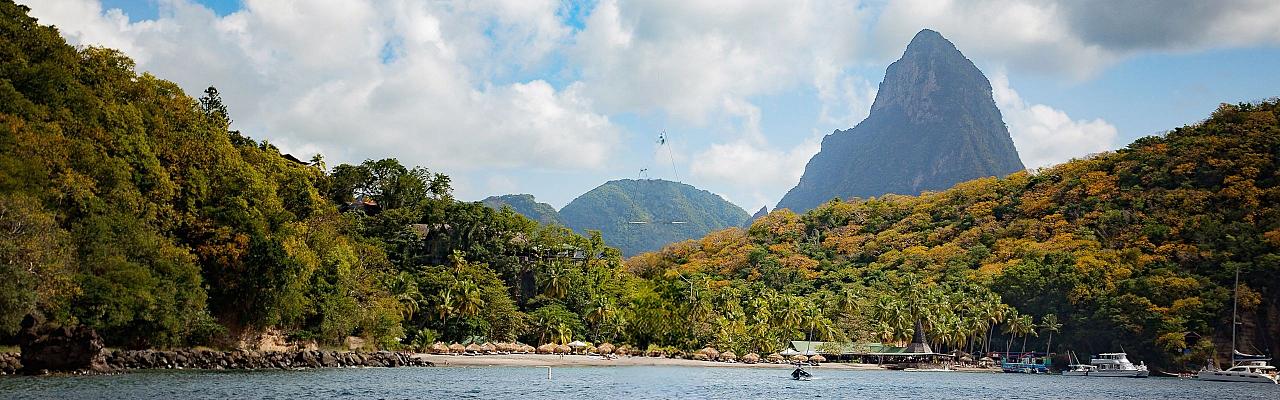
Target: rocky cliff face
(933, 124)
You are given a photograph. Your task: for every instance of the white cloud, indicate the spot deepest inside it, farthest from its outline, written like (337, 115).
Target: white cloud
(1079, 38)
(1046, 136)
(761, 171)
(684, 58)
(356, 80)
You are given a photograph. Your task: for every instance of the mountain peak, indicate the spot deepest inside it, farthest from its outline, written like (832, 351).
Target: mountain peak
(927, 38)
(933, 124)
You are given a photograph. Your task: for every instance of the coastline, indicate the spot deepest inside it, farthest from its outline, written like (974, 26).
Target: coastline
(553, 360)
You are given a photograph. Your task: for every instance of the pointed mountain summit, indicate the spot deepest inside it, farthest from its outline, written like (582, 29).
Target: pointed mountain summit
(933, 124)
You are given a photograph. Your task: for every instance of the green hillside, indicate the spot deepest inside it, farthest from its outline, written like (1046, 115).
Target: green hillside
(527, 206)
(1135, 249)
(643, 215)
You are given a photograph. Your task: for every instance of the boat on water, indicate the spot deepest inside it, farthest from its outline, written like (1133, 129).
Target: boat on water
(1113, 365)
(800, 374)
(1027, 363)
(1244, 367)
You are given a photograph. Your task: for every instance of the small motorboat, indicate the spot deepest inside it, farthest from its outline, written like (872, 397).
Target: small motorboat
(800, 374)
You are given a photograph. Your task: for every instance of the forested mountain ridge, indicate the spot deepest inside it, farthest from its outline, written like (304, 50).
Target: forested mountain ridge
(643, 215)
(129, 207)
(527, 206)
(933, 124)
(1132, 249)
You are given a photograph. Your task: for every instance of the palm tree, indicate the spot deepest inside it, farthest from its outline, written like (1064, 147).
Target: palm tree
(444, 303)
(405, 289)
(1026, 327)
(1011, 328)
(469, 301)
(1049, 323)
(555, 280)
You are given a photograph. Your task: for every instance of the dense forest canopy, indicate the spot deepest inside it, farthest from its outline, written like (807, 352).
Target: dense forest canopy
(130, 207)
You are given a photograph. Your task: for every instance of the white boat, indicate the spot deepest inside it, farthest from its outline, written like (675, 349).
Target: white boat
(1247, 368)
(1244, 367)
(1113, 365)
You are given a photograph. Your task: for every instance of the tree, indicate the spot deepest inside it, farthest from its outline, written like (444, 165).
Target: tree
(1049, 323)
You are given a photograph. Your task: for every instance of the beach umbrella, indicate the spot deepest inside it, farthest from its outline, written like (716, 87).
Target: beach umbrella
(528, 349)
(590, 350)
(576, 344)
(751, 358)
(789, 352)
(776, 358)
(966, 359)
(657, 353)
(547, 348)
(818, 358)
(439, 348)
(456, 348)
(473, 348)
(710, 352)
(701, 357)
(623, 350)
(728, 356)
(563, 349)
(605, 348)
(799, 357)
(488, 347)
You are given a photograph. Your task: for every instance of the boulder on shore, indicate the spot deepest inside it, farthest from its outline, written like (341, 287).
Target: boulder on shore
(51, 348)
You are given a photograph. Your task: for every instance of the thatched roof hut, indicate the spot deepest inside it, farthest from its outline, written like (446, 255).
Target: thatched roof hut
(701, 357)
(818, 358)
(488, 348)
(474, 348)
(605, 348)
(439, 348)
(710, 352)
(563, 349)
(751, 358)
(456, 348)
(728, 356)
(547, 348)
(776, 358)
(799, 357)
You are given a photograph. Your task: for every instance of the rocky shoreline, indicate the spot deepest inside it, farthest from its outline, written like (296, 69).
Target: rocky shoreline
(125, 360)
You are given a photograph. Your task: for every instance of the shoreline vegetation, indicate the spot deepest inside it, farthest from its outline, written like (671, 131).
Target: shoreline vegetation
(135, 212)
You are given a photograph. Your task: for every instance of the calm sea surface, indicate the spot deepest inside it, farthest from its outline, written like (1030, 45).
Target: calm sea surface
(610, 383)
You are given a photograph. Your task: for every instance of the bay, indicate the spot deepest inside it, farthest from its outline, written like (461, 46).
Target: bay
(606, 383)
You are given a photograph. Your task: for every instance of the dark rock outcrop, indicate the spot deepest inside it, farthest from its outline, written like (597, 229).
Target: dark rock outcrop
(933, 124)
(50, 348)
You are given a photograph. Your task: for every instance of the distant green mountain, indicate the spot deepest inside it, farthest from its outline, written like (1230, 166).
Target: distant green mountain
(637, 216)
(525, 205)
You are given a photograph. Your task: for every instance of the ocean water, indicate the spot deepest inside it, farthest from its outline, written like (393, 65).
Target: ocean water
(610, 383)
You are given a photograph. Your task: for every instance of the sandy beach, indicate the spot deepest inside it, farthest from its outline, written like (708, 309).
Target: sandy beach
(532, 360)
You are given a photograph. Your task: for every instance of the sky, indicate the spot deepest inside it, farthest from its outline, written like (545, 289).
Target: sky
(554, 98)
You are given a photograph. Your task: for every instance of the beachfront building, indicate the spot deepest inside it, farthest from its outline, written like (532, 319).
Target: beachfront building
(870, 353)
